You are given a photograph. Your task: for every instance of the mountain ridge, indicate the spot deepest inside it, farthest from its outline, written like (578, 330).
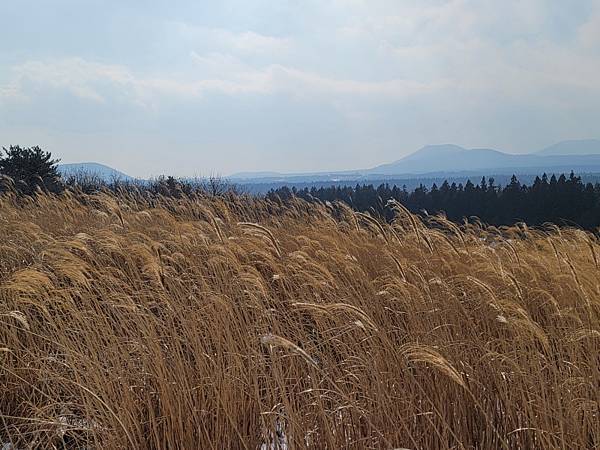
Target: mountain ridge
(572, 147)
(451, 158)
(102, 171)
(564, 156)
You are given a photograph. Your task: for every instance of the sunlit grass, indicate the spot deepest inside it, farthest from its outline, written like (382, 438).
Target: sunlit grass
(132, 322)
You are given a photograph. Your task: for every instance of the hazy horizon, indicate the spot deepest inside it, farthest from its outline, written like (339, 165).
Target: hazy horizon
(241, 86)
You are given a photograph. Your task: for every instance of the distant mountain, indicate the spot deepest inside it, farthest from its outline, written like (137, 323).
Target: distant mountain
(582, 147)
(452, 158)
(106, 173)
(447, 160)
(431, 161)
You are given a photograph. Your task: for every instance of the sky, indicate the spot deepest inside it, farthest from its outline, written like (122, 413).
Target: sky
(190, 87)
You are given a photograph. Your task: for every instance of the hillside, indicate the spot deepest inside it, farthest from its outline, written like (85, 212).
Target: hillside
(450, 158)
(101, 171)
(581, 147)
(440, 161)
(447, 160)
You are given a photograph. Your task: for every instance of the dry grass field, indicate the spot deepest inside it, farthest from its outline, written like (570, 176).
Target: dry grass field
(209, 323)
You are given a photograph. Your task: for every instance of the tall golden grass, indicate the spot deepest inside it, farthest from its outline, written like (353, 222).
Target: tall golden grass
(131, 322)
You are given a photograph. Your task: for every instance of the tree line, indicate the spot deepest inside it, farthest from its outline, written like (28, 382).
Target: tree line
(29, 170)
(563, 200)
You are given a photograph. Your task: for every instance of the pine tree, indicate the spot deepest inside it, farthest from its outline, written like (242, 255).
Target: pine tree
(30, 169)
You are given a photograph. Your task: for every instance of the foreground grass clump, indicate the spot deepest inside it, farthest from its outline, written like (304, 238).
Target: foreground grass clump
(131, 322)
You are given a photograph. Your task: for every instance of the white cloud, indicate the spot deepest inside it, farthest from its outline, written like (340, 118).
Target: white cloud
(250, 41)
(298, 82)
(9, 92)
(104, 83)
(240, 42)
(74, 75)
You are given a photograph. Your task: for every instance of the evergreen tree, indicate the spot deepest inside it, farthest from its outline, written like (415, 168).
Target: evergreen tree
(559, 200)
(30, 169)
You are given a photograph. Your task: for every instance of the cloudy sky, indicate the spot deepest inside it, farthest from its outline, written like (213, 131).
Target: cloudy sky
(191, 87)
